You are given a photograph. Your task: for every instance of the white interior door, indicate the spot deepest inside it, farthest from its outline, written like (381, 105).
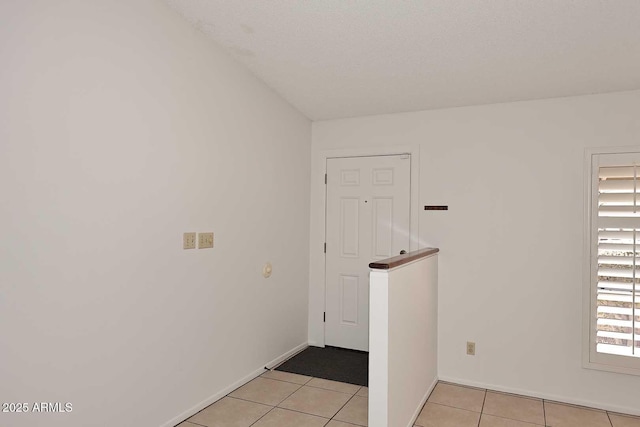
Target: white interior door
(368, 218)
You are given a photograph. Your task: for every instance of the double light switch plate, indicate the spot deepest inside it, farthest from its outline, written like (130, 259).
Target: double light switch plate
(205, 240)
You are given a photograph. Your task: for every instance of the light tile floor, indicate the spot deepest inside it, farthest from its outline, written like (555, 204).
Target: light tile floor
(280, 399)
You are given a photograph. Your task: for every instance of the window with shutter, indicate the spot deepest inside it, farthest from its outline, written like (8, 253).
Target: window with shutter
(614, 261)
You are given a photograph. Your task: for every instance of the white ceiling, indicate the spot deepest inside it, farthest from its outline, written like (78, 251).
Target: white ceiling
(346, 58)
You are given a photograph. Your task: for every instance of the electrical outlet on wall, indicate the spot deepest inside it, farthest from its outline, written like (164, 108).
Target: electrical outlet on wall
(189, 241)
(471, 348)
(205, 240)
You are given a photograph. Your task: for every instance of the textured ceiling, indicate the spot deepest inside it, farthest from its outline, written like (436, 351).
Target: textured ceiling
(346, 58)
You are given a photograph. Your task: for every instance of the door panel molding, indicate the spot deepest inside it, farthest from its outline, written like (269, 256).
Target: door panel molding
(349, 286)
(382, 230)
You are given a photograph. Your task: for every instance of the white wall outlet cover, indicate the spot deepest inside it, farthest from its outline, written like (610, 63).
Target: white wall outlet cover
(266, 270)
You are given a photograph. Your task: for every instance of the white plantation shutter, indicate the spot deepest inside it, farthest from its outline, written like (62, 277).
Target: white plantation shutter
(617, 285)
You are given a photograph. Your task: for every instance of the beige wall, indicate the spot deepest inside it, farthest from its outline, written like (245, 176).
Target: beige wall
(510, 266)
(121, 127)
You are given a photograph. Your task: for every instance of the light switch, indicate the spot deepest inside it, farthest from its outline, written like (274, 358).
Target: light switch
(189, 241)
(205, 240)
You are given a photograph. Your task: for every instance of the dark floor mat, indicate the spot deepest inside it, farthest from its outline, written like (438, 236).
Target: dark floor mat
(330, 363)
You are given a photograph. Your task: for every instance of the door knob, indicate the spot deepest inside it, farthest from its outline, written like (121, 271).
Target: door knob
(402, 252)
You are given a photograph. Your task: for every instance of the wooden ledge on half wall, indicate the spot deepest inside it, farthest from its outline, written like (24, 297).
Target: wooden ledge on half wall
(396, 261)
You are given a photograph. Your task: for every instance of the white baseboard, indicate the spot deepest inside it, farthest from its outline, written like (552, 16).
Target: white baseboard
(416, 414)
(552, 397)
(222, 393)
(289, 354)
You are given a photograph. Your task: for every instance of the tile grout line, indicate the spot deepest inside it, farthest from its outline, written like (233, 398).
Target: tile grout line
(250, 401)
(268, 412)
(345, 404)
(283, 381)
(304, 413)
(452, 407)
(513, 419)
(276, 406)
(308, 385)
(288, 409)
(274, 379)
(187, 420)
(291, 394)
(328, 389)
(350, 424)
(484, 399)
(544, 411)
(262, 403)
(544, 421)
(315, 415)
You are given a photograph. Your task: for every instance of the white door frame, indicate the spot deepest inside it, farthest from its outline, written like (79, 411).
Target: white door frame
(317, 289)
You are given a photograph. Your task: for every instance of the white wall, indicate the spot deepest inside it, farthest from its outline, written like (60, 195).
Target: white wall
(403, 358)
(121, 127)
(510, 266)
